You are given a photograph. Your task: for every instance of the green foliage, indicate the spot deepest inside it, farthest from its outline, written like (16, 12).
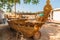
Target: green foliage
(10, 3)
(27, 1)
(31, 1)
(35, 1)
(1, 5)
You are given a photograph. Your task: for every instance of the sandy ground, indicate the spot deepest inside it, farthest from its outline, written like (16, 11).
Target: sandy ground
(49, 31)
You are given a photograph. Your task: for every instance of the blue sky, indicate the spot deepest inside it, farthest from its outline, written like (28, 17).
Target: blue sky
(35, 8)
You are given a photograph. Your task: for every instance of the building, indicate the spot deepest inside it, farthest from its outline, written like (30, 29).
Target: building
(55, 15)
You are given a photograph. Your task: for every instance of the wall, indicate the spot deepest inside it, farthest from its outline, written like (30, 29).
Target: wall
(56, 15)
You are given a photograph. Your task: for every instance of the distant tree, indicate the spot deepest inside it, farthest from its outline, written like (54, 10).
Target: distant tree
(10, 3)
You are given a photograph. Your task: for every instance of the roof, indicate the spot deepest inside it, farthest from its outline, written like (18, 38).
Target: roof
(56, 9)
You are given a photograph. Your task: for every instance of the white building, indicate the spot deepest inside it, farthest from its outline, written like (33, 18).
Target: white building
(55, 15)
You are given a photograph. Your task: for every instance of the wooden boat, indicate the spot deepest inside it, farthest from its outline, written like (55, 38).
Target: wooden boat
(31, 28)
(28, 29)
